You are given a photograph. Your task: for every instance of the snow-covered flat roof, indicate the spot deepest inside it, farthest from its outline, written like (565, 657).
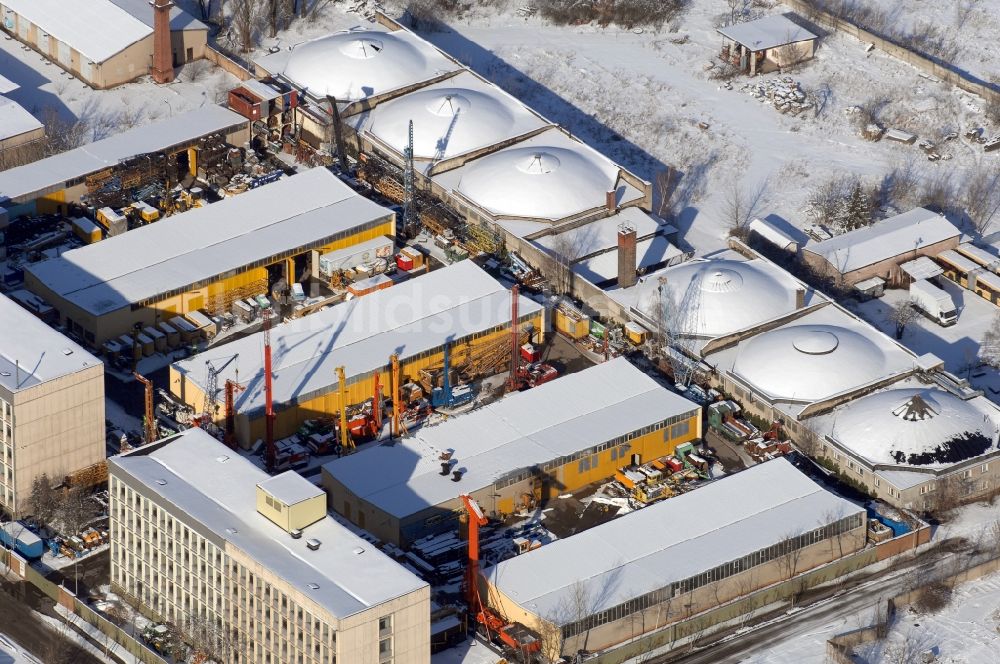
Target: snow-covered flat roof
(14, 120)
(453, 117)
(141, 9)
(955, 259)
(412, 317)
(914, 424)
(816, 356)
(199, 478)
(767, 32)
(883, 240)
(32, 353)
(597, 236)
(7, 85)
(525, 429)
(771, 233)
(603, 267)
(203, 243)
(669, 541)
(978, 254)
(26, 182)
(98, 29)
(921, 267)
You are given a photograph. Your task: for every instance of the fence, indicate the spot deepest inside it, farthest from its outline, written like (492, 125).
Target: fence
(222, 60)
(69, 601)
(945, 72)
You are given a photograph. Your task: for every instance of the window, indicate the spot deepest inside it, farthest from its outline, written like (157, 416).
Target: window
(680, 429)
(984, 468)
(384, 625)
(385, 649)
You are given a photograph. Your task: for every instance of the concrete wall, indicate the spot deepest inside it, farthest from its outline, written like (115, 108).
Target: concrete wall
(58, 428)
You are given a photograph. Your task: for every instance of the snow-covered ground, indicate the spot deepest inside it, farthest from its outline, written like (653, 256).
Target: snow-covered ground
(470, 652)
(12, 652)
(45, 86)
(957, 345)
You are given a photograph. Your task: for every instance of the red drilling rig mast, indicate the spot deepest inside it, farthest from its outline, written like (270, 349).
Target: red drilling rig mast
(232, 387)
(149, 425)
(270, 452)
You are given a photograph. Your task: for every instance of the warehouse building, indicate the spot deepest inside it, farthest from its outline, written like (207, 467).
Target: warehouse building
(918, 444)
(513, 453)
(459, 305)
(878, 251)
(206, 258)
(18, 128)
(638, 574)
(48, 185)
(51, 406)
(199, 533)
(102, 42)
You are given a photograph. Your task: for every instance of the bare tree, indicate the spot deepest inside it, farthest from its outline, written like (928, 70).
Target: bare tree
(247, 18)
(740, 205)
(666, 186)
(789, 561)
(566, 249)
(989, 348)
(76, 510)
(210, 639)
(901, 316)
(205, 8)
(981, 196)
(739, 10)
(197, 70)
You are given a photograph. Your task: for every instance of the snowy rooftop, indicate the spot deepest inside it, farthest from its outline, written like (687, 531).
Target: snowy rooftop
(597, 236)
(205, 481)
(768, 32)
(456, 116)
(772, 233)
(290, 488)
(26, 182)
(412, 317)
(914, 424)
(952, 257)
(358, 64)
(14, 120)
(650, 252)
(821, 354)
(555, 175)
(728, 295)
(7, 85)
(883, 240)
(522, 430)
(32, 353)
(206, 242)
(98, 29)
(636, 554)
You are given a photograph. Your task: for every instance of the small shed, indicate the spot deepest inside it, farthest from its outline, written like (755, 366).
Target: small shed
(773, 235)
(767, 44)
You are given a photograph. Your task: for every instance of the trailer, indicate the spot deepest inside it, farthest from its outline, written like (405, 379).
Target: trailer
(934, 302)
(15, 535)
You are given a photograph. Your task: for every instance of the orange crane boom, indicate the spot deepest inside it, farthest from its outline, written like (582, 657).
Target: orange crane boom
(149, 425)
(476, 520)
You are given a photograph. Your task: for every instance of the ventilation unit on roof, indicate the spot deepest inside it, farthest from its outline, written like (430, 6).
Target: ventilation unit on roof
(67, 351)
(457, 476)
(314, 586)
(445, 467)
(313, 544)
(358, 551)
(295, 533)
(222, 459)
(161, 482)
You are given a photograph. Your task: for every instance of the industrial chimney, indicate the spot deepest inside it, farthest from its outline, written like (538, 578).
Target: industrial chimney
(163, 58)
(626, 256)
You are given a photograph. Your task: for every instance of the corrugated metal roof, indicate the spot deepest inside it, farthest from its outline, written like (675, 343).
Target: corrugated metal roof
(553, 420)
(670, 541)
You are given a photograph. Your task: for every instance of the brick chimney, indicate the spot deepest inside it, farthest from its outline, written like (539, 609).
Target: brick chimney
(611, 201)
(163, 58)
(626, 256)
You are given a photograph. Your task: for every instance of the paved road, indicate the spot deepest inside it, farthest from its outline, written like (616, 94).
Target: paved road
(852, 597)
(29, 631)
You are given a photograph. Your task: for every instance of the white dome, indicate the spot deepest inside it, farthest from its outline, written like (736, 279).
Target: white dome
(537, 182)
(919, 426)
(810, 362)
(446, 122)
(355, 65)
(733, 295)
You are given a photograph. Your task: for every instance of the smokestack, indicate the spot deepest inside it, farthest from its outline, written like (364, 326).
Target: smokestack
(610, 201)
(163, 57)
(626, 257)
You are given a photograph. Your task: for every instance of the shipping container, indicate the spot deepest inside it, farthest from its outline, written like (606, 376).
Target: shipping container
(404, 262)
(635, 333)
(146, 342)
(376, 252)
(16, 535)
(173, 336)
(113, 222)
(415, 256)
(188, 332)
(159, 339)
(86, 230)
(571, 321)
(366, 286)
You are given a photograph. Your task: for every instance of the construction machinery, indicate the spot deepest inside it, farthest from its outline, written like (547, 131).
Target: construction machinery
(232, 387)
(270, 454)
(510, 634)
(444, 395)
(523, 375)
(397, 427)
(149, 417)
(346, 442)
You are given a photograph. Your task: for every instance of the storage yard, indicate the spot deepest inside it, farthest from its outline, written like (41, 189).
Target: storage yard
(388, 295)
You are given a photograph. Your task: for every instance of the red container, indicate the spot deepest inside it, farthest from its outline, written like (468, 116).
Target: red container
(529, 353)
(404, 262)
(674, 464)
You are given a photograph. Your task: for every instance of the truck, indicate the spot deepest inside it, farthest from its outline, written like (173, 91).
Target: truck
(933, 302)
(15, 535)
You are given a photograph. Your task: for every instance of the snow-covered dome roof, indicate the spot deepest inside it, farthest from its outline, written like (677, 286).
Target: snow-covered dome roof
(543, 182)
(355, 65)
(809, 362)
(731, 295)
(446, 121)
(917, 426)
